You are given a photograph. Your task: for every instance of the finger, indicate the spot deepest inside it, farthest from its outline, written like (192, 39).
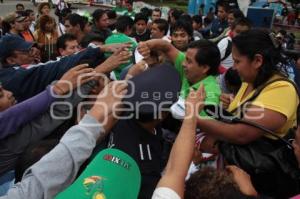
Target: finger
(125, 53)
(124, 62)
(87, 80)
(225, 98)
(81, 66)
(202, 91)
(125, 58)
(85, 70)
(121, 46)
(121, 85)
(145, 51)
(232, 168)
(88, 75)
(118, 51)
(110, 84)
(127, 45)
(192, 93)
(123, 93)
(224, 102)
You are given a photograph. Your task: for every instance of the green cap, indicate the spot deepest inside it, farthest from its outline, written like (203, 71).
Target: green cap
(118, 38)
(112, 174)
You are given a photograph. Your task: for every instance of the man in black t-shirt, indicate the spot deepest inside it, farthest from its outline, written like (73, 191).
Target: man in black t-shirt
(140, 136)
(141, 32)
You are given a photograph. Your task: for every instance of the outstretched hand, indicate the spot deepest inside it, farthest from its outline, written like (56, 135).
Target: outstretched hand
(144, 49)
(115, 47)
(74, 78)
(120, 56)
(243, 180)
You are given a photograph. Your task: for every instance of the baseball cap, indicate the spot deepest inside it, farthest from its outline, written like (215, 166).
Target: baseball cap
(121, 38)
(112, 174)
(12, 17)
(10, 43)
(153, 91)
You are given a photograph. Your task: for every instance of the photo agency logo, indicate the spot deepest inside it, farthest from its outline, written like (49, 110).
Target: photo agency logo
(155, 105)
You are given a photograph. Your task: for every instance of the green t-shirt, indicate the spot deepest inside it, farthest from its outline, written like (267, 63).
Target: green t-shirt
(120, 10)
(210, 83)
(121, 38)
(130, 14)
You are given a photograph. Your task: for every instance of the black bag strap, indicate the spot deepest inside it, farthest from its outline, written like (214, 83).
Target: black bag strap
(228, 50)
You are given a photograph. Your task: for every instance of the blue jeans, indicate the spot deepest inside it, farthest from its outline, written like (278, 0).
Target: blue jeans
(6, 182)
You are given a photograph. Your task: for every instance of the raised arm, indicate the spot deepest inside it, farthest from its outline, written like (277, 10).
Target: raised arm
(14, 117)
(20, 114)
(50, 175)
(161, 45)
(183, 148)
(25, 83)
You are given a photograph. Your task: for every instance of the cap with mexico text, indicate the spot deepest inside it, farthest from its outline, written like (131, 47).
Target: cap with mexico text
(11, 43)
(112, 174)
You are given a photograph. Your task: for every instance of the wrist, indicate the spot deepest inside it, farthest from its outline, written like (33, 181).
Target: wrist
(190, 119)
(190, 112)
(103, 48)
(103, 68)
(58, 90)
(98, 112)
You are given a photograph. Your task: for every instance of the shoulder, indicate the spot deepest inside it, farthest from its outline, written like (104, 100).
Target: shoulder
(178, 62)
(224, 41)
(212, 88)
(280, 96)
(281, 85)
(180, 57)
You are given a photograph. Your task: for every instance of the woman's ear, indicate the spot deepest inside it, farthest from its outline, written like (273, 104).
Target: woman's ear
(258, 61)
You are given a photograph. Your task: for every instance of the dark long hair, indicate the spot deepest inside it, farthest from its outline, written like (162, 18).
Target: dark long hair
(260, 41)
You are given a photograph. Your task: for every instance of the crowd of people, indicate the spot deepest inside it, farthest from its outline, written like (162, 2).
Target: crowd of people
(117, 104)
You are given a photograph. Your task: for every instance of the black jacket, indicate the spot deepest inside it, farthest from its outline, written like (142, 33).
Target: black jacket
(25, 83)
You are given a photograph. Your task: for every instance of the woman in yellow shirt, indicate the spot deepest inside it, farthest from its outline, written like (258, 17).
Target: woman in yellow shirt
(257, 59)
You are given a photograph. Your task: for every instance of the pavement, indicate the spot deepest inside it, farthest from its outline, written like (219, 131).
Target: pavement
(10, 6)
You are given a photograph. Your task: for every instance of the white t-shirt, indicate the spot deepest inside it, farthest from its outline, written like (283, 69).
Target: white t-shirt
(222, 45)
(165, 193)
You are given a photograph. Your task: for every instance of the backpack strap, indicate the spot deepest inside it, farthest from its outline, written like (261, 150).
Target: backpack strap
(228, 50)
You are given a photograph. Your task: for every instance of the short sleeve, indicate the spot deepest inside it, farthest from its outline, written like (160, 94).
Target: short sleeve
(165, 193)
(178, 64)
(279, 96)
